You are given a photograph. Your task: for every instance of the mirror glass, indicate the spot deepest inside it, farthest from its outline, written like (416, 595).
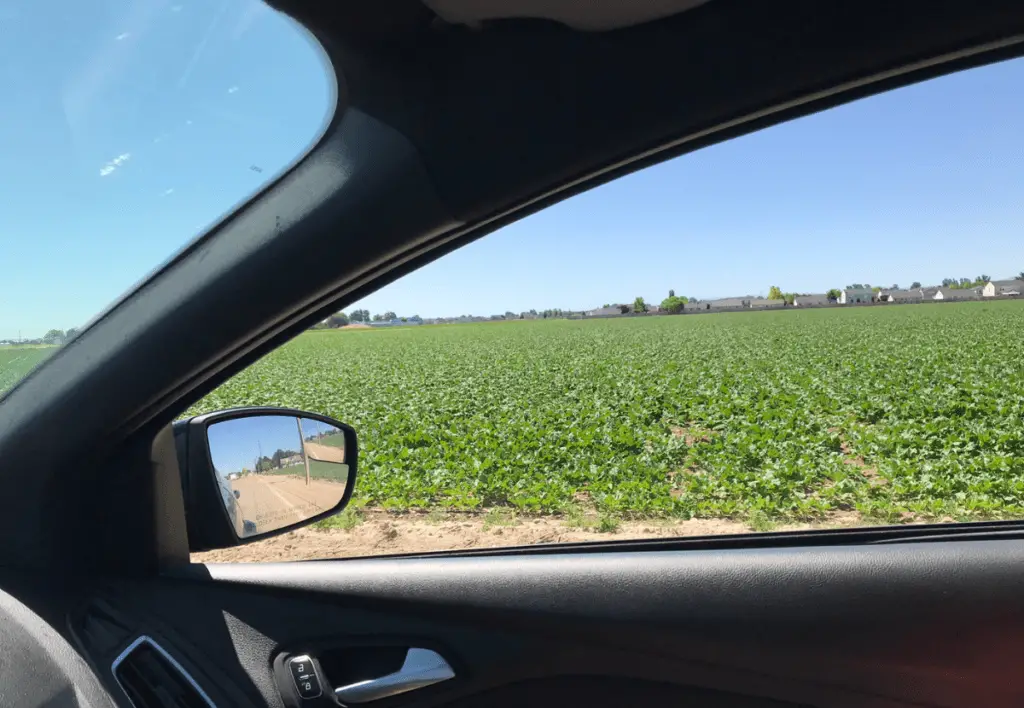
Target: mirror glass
(277, 470)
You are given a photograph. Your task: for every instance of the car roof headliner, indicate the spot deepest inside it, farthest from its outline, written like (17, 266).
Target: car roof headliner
(584, 15)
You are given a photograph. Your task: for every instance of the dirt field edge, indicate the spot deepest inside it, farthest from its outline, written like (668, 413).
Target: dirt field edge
(373, 533)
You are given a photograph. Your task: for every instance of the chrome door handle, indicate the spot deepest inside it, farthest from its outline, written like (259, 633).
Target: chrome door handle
(422, 667)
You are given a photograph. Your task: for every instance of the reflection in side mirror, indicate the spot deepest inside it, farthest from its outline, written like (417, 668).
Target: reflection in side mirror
(277, 470)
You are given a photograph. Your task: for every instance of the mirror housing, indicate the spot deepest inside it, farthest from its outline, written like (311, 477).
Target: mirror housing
(279, 469)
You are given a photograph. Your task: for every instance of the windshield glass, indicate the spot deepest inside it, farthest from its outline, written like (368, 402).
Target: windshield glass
(127, 129)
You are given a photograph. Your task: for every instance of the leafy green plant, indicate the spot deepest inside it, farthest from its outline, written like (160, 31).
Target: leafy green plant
(499, 517)
(346, 519)
(760, 521)
(608, 524)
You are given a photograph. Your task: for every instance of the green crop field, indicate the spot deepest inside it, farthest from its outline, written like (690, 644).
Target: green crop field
(17, 361)
(336, 440)
(896, 412)
(330, 471)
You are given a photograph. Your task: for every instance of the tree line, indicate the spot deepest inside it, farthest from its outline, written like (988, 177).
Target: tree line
(52, 337)
(671, 304)
(340, 319)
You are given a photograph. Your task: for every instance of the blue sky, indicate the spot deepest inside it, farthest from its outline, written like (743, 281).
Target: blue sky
(237, 443)
(128, 127)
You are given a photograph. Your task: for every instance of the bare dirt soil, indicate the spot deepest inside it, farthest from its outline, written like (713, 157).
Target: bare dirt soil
(381, 533)
(273, 501)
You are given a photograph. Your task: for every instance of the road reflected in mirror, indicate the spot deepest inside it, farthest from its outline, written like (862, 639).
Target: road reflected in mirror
(277, 470)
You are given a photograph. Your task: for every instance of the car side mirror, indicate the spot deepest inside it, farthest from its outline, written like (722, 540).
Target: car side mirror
(250, 473)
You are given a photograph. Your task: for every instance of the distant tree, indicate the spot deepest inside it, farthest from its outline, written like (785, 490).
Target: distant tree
(833, 295)
(378, 317)
(360, 316)
(510, 315)
(876, 289)
(623, 309)
(605, 305)
(947, 282)
(54, 336)
(671, 293)
(984, 279)
(788, 299)
(1021, 275)
(338, 319)
(534, 312)
(915, 285)
(895, 287)
(639, 305)
(389, 315)
(70, 333)
(774, 293)
(673, 304)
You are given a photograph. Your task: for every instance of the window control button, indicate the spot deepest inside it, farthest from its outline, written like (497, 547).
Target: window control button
(306, 680)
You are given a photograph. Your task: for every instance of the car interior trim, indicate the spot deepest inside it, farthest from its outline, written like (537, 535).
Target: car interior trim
(155, 645)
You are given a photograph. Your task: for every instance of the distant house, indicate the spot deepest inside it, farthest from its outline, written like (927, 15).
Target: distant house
(901, 295)
(653, 308)
(764, 303)
(399, 322)
(696, 307)
(1003, 288)
(855, 296)
(728, 303)
(605, 311)
(957, 294)
(811, 300)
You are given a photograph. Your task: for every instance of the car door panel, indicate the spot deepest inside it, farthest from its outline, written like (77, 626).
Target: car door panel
(243, 632)
(884, 625)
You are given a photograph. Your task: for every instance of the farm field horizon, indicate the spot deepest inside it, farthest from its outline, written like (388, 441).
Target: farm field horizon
(890, 413)
(17, 361)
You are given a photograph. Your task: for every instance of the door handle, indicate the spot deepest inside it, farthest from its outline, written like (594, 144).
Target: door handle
(421, 668)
